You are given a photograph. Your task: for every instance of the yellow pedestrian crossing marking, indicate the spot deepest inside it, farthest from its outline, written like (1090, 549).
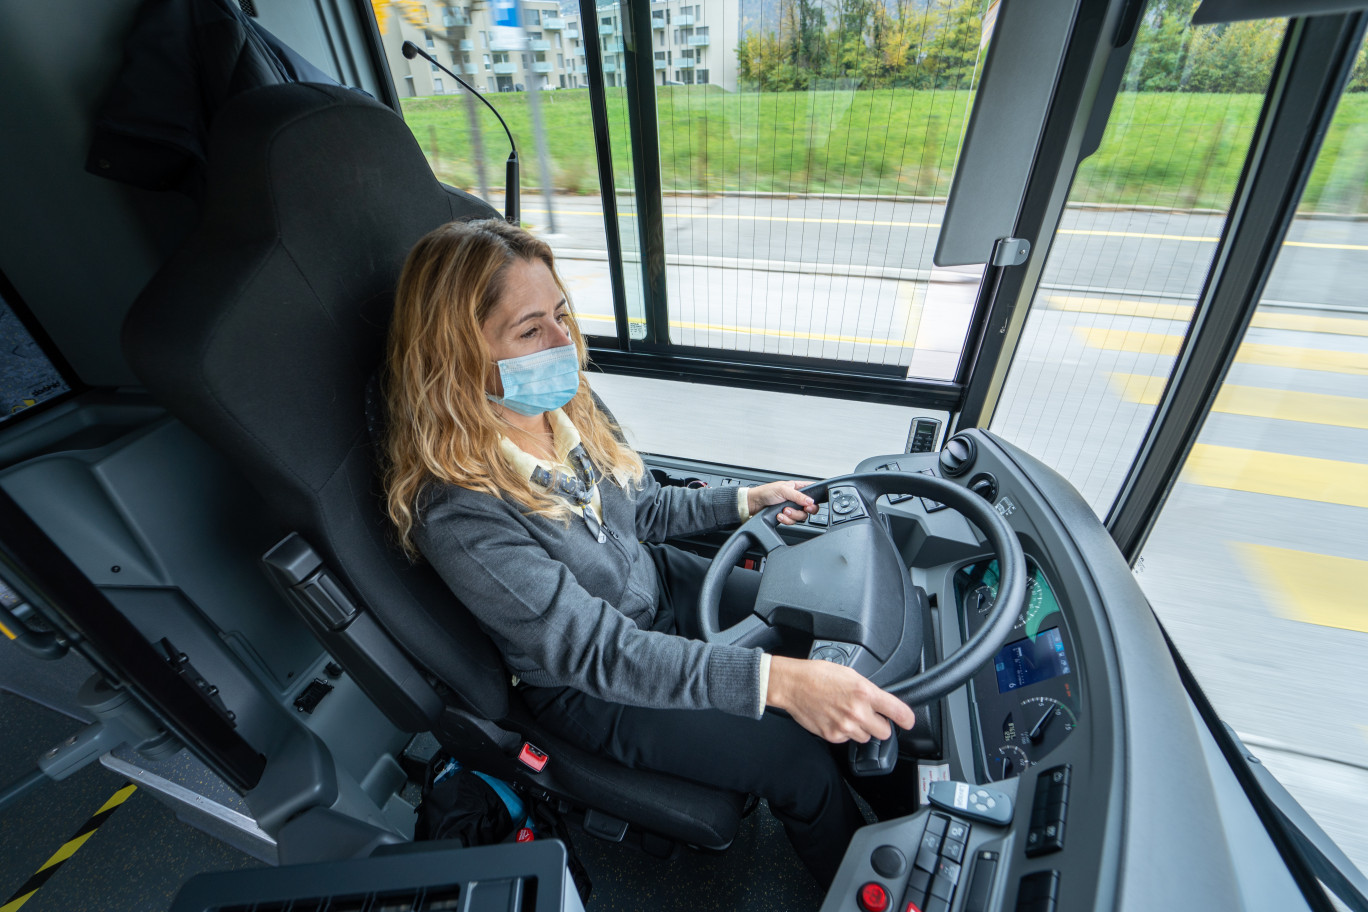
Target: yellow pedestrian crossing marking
(1258, 402)
(1278, 474)
(730, 216)
(1315, 588)
(1341, 362)
(1343, 326)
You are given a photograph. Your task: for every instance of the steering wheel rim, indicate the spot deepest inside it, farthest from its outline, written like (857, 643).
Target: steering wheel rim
(953, 670)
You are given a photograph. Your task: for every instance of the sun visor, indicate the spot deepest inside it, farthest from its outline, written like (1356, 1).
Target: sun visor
(1019, 75)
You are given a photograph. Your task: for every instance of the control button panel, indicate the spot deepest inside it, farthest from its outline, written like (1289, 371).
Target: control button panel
(937, 867)
(922, 437)
(845, 504)
(1049, 809)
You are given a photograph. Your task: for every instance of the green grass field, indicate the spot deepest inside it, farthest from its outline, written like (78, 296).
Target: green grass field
(1161, 149)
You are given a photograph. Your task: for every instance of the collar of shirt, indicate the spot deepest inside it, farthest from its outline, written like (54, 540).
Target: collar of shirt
(565, 438)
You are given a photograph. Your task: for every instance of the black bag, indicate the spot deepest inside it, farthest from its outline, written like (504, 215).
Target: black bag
(461, 805)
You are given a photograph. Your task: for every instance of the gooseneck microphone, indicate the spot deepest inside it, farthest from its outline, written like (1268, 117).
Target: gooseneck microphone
(511, 203)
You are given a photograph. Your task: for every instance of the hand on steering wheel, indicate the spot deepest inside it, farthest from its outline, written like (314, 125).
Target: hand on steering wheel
(781, 492)
(834, 702)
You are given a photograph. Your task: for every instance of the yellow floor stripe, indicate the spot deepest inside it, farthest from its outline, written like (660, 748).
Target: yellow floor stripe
(1143, 343)
(1300, 477)
(1341, 326)
(1315, 588)
(118, 798)
(14, 904)
(67, 850)
(1189, 238)
(1258, 402)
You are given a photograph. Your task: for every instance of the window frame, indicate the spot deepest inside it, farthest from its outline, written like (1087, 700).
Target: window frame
(75, 386)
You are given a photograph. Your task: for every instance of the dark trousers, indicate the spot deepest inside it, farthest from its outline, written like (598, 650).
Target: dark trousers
(773, 757)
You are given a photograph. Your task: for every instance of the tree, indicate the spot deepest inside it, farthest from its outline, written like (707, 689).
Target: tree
(953, 51)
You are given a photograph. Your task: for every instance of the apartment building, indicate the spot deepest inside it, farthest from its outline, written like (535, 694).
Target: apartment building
(464, 38)
(693, 43)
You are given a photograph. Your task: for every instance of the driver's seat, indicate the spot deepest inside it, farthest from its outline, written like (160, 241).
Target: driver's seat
(261, 333)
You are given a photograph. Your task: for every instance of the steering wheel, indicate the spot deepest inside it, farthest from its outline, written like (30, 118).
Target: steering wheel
(850, 584)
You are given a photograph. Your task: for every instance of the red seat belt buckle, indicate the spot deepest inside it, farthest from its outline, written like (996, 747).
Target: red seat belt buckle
(534, 758)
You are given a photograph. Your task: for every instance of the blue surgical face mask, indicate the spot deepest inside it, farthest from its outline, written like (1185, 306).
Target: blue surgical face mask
(540, 382)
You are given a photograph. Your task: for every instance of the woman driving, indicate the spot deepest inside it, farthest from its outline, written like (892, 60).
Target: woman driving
(506, 475)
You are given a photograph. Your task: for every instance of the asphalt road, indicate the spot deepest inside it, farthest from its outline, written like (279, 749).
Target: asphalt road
(1256, 562)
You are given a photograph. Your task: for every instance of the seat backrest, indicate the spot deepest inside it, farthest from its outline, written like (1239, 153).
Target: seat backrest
(261, 332)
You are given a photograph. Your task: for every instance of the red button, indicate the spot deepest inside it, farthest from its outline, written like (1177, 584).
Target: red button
(873, 898)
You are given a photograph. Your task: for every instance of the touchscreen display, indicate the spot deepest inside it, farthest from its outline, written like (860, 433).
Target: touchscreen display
(1030, 660)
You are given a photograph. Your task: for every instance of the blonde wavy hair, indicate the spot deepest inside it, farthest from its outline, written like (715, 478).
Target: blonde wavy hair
(440, 426)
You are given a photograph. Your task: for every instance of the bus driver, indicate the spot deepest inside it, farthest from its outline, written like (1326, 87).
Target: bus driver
(503, 473)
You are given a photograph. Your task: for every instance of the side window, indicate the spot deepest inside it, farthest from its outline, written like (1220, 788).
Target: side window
(28, 377)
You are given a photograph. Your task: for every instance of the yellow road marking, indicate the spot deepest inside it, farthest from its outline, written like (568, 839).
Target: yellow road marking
(6, 631)
(1194, 238)
(1121, 308)
(1140, 343)
(1341, 326)
(1315, 588)
(1190, 238)
(1143, 343)
(762, 331)
(1258, 402)
(1278, 474)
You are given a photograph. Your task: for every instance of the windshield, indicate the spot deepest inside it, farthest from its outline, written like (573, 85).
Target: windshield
(1256, 563)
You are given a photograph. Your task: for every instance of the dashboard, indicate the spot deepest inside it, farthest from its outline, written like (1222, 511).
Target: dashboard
(1029, 700)
(1104, 789)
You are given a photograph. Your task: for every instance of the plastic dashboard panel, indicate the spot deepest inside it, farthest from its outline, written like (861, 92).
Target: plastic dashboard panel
(1145, 827)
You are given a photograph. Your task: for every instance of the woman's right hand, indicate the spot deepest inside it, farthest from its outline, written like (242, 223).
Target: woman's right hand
(834, 702)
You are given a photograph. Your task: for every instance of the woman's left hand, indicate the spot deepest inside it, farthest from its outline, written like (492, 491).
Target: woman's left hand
(776, 492)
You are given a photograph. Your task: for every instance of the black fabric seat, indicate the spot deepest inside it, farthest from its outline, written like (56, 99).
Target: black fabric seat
(261, 332)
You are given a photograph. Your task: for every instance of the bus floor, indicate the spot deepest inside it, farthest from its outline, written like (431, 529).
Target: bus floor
(135, 855)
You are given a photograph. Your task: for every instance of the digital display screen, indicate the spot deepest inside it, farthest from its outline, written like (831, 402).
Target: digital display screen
(1030, 660)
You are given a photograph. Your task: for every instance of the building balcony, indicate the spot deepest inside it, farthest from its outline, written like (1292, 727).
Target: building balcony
(582, 69)
(454, 20)
(684, 63)
(552, 23)
(505, 69)
(541, 66)
(660, 64)
(471, 68)
(572, 33)
(579, 51)
(609, 66)
(657, 20)
(466, 44)
(606, 30)
(683, 20)
(699, 40)
(613, 47)
(539, 44)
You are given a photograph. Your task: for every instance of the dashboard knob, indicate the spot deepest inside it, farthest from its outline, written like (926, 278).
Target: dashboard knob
(985, 486)
(958, 455)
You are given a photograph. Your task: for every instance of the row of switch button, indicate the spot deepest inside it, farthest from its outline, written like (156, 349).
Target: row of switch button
(1038, 892)
(1049, 809)
(931, 506)
(936, 869)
